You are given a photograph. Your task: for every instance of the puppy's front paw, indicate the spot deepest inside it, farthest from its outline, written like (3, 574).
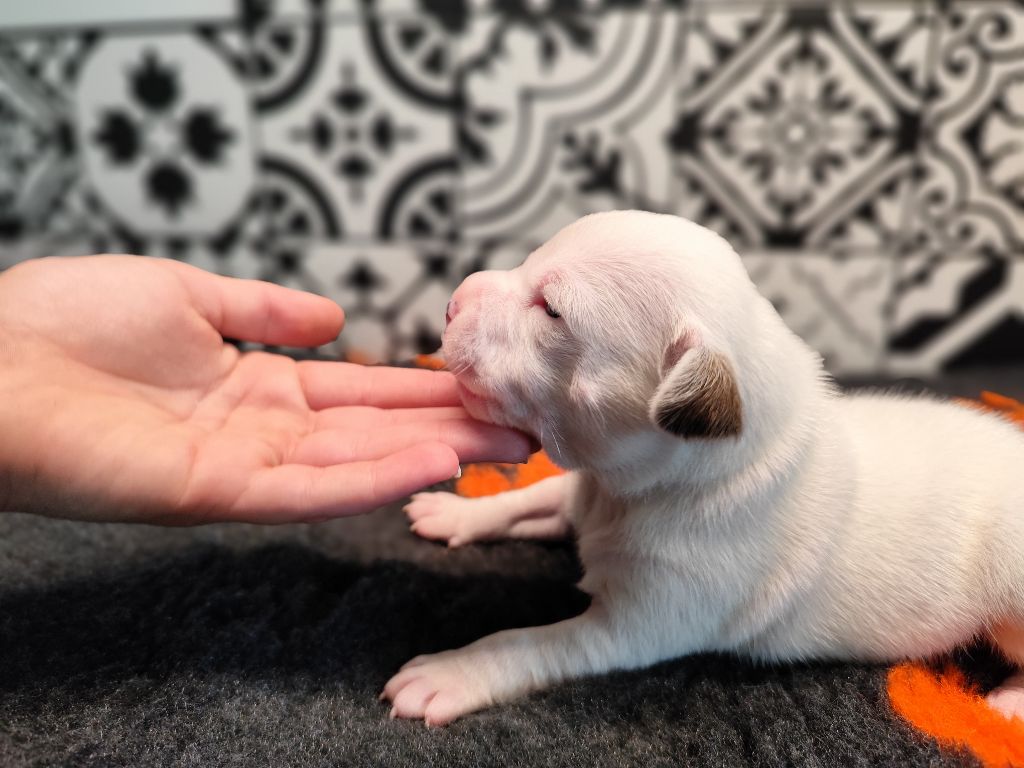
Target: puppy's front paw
(438, 688)
(1008, 698)
(443, 517)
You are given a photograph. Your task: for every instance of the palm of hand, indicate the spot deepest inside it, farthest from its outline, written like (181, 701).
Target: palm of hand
(143, 412)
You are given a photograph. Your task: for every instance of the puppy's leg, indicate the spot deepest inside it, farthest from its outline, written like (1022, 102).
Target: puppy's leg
(1008, 698)
(539, 511)
(442, 687)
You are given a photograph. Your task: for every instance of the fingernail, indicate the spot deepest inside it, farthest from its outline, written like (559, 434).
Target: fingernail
(382, 696)
(393, 714)
(458, 473)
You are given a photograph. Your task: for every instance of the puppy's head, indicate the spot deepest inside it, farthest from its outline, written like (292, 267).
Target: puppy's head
(619, 333)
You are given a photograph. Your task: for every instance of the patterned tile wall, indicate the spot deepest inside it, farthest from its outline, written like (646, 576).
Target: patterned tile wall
(866, 158)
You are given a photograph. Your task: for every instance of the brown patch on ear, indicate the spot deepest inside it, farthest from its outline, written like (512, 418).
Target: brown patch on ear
(700, 398)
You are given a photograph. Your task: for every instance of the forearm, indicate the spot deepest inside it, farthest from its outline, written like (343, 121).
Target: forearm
(538, 511)
(544, 498)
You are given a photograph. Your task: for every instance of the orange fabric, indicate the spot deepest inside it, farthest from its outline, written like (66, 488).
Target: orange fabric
(489, 479)
(429, 361)
(944, 707)
(990, 401)
(1011, 408)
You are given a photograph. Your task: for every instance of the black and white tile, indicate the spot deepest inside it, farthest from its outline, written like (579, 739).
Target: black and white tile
(959, 293)
(565, 112)
(795, 137)
(39, 164)
(359, 113)
(836, 304)
(162, 123)
(794, 129)
(864, 156)
(394, 296)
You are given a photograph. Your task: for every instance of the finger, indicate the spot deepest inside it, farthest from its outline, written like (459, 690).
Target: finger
(293, 492)
(329, 384)
(368, 417)
(473, 441)
(252, 310)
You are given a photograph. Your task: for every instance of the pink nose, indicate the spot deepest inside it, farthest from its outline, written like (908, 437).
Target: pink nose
(466, 295)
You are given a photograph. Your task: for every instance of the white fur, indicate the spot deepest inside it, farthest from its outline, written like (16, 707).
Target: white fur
(867, 527)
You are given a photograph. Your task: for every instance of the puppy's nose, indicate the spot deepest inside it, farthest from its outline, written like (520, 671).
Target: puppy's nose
(450, 312)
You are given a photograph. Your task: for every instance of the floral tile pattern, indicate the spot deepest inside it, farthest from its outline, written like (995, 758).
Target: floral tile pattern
(958, 297)
(164, 135)
(565, 114)
(38, 157)
(951, 313)
(796, 126)
(360, 115)
(864, 156)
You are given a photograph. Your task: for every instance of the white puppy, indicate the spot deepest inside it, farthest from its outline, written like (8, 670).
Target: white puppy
(725, 497)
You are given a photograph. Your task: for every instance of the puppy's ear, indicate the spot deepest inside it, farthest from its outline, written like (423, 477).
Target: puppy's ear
(698, 396)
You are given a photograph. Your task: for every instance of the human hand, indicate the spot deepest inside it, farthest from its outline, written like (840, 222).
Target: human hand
(120, 400)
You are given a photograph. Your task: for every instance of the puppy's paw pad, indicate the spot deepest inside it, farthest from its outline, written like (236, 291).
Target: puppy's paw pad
(446, 707)
(440, 517)
(426, 504)
(438, 528)
(412, 699)
(436, 690)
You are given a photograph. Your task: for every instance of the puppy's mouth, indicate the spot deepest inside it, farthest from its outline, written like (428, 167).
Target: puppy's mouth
(471, 395)
(481, 405)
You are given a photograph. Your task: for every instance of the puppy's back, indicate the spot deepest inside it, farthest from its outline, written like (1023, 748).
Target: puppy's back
(939, 487)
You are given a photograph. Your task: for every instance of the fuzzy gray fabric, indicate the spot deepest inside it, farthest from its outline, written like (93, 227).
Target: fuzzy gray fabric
(237, 645)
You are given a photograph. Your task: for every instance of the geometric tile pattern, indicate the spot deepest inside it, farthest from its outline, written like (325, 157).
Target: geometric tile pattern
(959, 293)
(865, 157)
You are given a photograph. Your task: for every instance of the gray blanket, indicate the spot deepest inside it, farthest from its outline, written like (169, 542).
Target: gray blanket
(236, 645)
